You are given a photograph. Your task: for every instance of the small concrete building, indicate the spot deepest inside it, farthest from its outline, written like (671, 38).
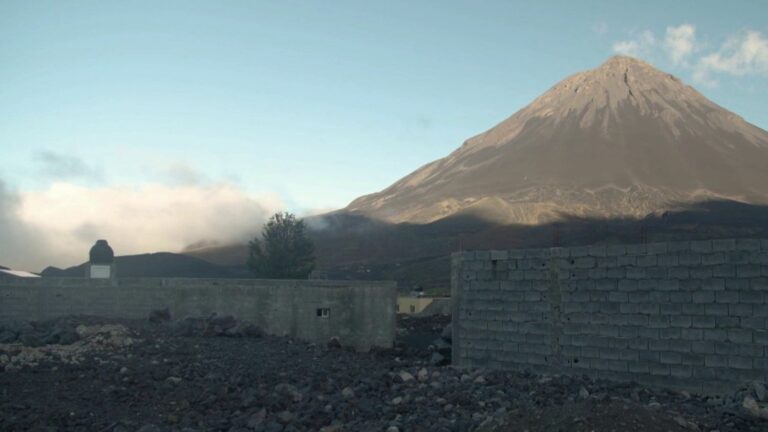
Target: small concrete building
(101, 263)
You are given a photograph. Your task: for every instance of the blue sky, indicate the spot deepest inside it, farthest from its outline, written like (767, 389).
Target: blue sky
(311, 104)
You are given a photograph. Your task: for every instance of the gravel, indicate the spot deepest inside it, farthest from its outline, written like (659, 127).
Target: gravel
(199, 375)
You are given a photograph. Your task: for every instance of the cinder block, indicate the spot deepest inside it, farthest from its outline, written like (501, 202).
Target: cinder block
(740, 336)
(579, 251)
(689, 259)
(680, 297)
(703, 322)
(658, 321)
(682, 246)
(720, 310)
(715, 335)
(703, 347)
(670, 309)
(724, 271)
(639, 367)
(637, 249)
(597, 250)
(621, 297)
(737, 284)
(740, 309)
(606, 284)
(740, 362)
(751, 297)
(658, 296)
(701, 246)
(635, 273)
(607, 262)
(693, 309)
(659, 369)
(738, 257)
(748, 271)
(656, 272)
(726, 322)
(759, 284)
(724, 245)
(626, 260)
(703, 297)
(678, 273)
(668, 260)
(681, 371)
(764, 244)
(647, 261)
(701, 272)
(748, 244)
(615, 250)
(669, 333)
(657, 248)
(683, 321)
(760, 337)
(598, 273)
(716, 361)
(753, 323)
(760, 258)
(713, 284)
(627, 285)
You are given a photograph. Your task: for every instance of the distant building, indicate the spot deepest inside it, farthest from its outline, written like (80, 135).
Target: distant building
(101, 263)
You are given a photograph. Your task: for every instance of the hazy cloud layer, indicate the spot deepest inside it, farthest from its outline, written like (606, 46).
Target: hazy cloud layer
(741, 54)
(58, 225)
(65, 167)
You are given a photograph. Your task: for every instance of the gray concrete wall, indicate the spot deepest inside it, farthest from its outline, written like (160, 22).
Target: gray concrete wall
(362, 313)
(681, 314)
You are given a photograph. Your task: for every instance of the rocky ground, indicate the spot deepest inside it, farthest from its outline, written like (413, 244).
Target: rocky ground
(218, 374)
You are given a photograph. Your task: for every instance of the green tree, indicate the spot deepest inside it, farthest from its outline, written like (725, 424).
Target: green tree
(284, 250)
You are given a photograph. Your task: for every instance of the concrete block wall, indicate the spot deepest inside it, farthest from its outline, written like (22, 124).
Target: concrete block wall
(362, 313)
(686, 315)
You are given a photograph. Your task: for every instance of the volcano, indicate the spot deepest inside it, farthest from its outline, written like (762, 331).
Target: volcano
(623, 153)
(622, 140)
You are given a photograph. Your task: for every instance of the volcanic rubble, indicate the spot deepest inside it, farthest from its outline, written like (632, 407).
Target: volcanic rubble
(217, 373)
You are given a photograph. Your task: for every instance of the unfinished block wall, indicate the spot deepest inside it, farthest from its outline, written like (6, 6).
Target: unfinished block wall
(360, 313)
(680, 314)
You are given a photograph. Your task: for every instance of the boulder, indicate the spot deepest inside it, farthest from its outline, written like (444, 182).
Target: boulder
(158, 316)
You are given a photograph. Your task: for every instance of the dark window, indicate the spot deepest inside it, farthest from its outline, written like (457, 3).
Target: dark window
(323, 312)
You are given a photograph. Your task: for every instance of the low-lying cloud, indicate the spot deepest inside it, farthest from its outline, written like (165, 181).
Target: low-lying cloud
(58, 225)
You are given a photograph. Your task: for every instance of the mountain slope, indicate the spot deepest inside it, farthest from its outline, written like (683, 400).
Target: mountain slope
(161, 264)
(620, 140)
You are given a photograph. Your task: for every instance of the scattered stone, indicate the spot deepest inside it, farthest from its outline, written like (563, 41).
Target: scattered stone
(423, 375)
(753, 408)
(157, 316)
(583, 393)
(173, 380)
(759, 390)
(334, 343)
(348, 392)
(405, 376)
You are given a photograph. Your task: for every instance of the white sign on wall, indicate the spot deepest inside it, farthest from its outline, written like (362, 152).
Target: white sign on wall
(101, 271)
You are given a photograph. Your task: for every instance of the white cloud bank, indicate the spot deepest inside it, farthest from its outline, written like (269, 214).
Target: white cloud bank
(58, 225)
(742, 54)
(679, 42)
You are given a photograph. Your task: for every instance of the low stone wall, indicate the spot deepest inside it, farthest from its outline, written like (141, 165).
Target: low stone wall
(360, 313)
(682, 314)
